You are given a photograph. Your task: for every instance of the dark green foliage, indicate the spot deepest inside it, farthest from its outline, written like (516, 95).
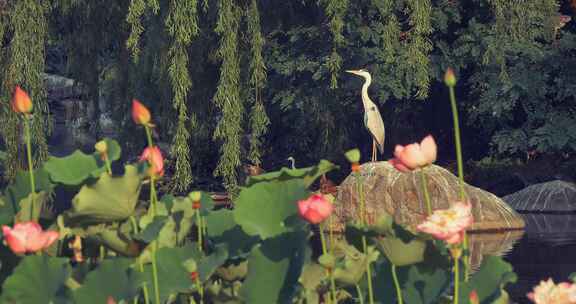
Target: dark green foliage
(37, 279)
(113, 278)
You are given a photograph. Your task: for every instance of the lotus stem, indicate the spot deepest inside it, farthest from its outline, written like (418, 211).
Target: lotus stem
(200, 289)
(108, 166)
(359, 292)
(331, 234)
(102, 253)
(397, 285)
(456, 279)
(457, 142)
(140, 264)
(364, 246)
(153, 199)
(155, 274)
(30, 164)
(149, 136)
(330, 273)
(368, 272)
(460, 164)
(425, 191)
(200, 229)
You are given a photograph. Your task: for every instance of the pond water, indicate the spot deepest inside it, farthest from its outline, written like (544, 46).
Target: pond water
(546, 250)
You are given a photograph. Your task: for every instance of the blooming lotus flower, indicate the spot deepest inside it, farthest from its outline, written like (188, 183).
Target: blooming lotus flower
(154, 157)
(449, 224)
(549, 293)
(21, 102)
(28, 237)
(416, 155)
(140, 113)
(315, 209)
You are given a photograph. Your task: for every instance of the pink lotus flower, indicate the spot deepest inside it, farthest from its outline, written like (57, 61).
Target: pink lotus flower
(315, 209)
(28, 237)
(154, 157)
(449, 224)
(549, 293)
(414, 156)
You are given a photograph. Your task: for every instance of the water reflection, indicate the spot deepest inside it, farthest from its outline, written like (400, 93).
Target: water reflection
(548, 249)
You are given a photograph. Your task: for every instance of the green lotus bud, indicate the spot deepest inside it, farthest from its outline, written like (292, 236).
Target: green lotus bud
(327, 260)
(353, 155)
(196, 196)
(190, 265)
(101, 147)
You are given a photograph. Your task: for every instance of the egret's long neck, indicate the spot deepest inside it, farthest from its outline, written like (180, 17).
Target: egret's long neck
(365, 98)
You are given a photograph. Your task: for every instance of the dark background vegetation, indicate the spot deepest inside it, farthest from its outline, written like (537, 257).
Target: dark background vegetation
(203, 67)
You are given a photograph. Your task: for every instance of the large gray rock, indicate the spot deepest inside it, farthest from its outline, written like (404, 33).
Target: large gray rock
(60, 88)
(400, 195)
(554, 196)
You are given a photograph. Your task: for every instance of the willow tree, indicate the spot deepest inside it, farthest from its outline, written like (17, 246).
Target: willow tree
(24, 29)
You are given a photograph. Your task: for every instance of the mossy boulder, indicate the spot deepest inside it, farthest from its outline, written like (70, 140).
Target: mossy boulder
(400, 195)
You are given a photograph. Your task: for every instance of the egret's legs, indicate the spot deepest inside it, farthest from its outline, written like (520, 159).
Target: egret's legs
(374, 156)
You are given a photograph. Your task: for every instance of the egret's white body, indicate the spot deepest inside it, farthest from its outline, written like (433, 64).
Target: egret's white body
(372, 118)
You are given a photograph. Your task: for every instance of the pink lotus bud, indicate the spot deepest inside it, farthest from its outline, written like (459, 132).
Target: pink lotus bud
(154, 157)
(28, 237)
(140, 113)
(450, 78)
(416, 155)
(474, 297)
(449, 224)
(21, 102)
(315, 209)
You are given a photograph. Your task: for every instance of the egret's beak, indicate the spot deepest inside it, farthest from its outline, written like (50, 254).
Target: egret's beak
(352, 71)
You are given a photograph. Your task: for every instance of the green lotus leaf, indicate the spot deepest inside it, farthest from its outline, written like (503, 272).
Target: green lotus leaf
(308, 175)
(233, 271)
(78, 167)
(152, 230)
(6, 213)
(312, 276)
(113, 278)
(114, 150)
(207, 265)
(31, 206)
(268, 209)
(75, 168)
(173, 277)
(401, 253)
(353, 267)
(20, 188)
(424, 283)
(37, 279)
(109, 199)
(274, 268)
(222, 229)
(494, 274)
(114, 240)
